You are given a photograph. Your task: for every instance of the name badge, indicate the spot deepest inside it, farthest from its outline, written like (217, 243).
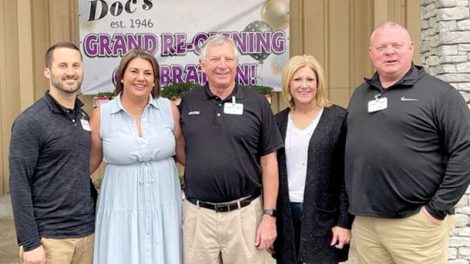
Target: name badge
(233, 108)
(85, 125)
(377, 105)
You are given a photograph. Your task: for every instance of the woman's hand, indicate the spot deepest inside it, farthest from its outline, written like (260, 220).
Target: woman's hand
(341, 237)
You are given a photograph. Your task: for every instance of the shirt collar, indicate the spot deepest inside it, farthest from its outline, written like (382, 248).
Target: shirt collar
(116, 105)
(57, 108)
(407, 80)
(237, 91)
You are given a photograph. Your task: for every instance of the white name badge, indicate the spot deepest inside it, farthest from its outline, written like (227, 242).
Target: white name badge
(233, 109)
(377, 105)
(85, 125)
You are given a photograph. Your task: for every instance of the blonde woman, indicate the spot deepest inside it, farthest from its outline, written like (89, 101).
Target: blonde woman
(313, 223)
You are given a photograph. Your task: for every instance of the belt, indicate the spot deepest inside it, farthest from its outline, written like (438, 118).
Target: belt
(226, 206)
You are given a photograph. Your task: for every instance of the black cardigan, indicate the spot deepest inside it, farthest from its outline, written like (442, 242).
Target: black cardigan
(325, 201)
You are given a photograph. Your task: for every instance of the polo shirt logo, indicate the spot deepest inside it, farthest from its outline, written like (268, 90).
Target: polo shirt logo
(194, 113)
(405, 99)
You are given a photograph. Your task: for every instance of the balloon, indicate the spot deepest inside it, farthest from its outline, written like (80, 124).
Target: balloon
(258, 26)
(276, 13)
(278, 63)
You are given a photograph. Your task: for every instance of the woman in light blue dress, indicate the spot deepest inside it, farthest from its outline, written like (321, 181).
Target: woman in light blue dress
(137, 135)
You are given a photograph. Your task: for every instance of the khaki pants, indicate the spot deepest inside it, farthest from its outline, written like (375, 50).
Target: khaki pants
(67, 250)
(414, 239)
(229, 237)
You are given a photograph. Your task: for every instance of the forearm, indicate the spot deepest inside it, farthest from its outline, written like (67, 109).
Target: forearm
(270, 180)
(266, 233)
(450, 191)
(180, 156)
(95, 159)
(345, 218)
(96, 152)
(23, 213)
(179, 138)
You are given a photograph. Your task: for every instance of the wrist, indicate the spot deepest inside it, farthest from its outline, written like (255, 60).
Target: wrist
(31, 245)
(439, 215)
(270, 212)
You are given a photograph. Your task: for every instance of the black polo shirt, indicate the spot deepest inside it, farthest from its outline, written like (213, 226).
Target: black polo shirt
(49, 173)
(223, 149)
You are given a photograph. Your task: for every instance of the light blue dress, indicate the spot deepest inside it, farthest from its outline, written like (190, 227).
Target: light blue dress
(138, 217)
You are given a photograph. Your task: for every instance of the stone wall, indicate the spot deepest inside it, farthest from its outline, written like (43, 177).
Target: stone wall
(445, 41)
(445, 53)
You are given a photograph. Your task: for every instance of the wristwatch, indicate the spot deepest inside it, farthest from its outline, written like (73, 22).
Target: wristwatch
(271, 212)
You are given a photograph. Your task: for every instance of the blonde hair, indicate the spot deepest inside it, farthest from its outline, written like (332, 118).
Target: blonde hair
(389, 24)
(294, 64)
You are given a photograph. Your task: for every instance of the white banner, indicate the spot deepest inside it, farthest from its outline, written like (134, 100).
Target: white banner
(175, 30)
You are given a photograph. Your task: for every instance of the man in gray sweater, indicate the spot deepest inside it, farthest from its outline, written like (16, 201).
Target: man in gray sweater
(49, 168)
(407, 156)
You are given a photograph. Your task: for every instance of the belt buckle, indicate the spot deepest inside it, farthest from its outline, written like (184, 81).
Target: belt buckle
(221, 208)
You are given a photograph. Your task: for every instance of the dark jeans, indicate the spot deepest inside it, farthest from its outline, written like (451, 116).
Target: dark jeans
(296, 209)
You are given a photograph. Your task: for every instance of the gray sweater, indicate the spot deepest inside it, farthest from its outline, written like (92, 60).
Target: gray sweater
(49, 173)
(414, 153)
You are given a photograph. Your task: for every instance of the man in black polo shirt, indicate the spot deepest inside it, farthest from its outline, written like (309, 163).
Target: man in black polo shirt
(49, 168)
(231, 142)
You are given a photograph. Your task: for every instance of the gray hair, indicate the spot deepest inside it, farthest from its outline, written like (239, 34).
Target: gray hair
(217, 40)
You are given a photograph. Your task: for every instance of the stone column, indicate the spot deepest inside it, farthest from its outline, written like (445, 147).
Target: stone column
(445, 41)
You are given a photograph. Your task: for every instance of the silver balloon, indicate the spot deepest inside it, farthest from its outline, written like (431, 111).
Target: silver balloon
(276, 14)
(258, 26)
(278, 62)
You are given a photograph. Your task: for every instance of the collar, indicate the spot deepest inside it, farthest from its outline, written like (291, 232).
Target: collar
(410, 78)
(57, 108)
(116, 105)
(237, 91)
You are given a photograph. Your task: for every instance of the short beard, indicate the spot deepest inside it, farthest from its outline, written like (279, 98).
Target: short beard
(59, 85)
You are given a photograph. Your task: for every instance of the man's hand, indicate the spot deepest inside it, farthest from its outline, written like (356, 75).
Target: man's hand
(341, 237)
(35, 256)
(431, 218)
(266, 233)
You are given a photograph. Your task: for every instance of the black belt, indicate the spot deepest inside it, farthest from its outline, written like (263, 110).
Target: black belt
(228, 206)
